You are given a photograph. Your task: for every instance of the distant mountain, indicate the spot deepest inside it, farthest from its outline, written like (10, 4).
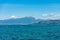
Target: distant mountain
(49, 22)
(27, 20)
(19, 21)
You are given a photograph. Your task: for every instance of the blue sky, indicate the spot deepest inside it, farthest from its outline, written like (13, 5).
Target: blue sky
(48, 9)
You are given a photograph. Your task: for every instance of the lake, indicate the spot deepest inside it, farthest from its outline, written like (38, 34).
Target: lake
(30, 32)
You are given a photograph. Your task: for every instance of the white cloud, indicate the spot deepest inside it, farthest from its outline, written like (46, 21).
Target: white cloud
(13, 16)
(44, 15)
(50, 16)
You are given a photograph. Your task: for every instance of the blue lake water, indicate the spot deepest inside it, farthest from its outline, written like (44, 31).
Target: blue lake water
(29, 32)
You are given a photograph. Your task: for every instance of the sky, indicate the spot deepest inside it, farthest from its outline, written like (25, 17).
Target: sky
(42, 9)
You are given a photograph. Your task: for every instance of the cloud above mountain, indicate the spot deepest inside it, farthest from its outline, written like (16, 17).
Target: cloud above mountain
(50, 16)
(13, 16)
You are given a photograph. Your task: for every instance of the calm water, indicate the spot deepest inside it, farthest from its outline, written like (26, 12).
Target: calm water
(30, 32)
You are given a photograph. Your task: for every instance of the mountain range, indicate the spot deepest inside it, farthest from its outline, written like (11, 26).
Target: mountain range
(19, 21)
(26, 21)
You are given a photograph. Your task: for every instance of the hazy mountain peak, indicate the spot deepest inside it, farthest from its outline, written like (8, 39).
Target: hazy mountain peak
(17, 21)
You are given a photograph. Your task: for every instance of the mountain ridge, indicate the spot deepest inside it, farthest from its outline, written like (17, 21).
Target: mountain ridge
(19, 21)
(27, 21)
